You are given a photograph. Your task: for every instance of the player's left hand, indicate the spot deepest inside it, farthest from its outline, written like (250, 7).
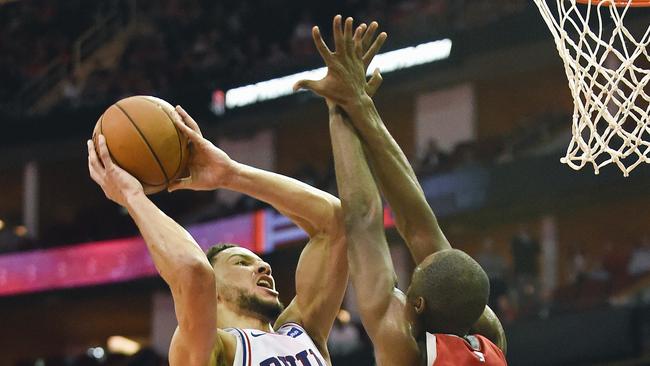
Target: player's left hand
(118, 185)
(345, 81)
(371, 88)
(209, 166)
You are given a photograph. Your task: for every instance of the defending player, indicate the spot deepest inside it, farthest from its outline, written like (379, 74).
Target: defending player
(448, 293)
(225, 302)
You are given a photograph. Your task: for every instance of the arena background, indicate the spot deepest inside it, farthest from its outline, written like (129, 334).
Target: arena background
(568, 253)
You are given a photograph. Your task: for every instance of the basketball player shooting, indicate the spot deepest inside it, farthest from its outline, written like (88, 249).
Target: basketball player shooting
(446, 301)
(226, 301)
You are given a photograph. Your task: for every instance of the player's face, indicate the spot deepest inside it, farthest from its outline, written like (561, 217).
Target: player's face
(412, 313)
(415, 304)
(241, 274)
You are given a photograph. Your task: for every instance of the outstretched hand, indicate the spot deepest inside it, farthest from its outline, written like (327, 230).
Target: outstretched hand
(118, 185)
(209, 166)
(371, 88)
(345, 81)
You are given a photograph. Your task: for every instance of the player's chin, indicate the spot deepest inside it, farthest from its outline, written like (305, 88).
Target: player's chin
(267, 293)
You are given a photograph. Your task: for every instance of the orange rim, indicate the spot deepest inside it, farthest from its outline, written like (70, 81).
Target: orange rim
(618, 3)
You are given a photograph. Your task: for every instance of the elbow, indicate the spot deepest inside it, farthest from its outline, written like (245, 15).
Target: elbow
(200, 267)
(194, 276)
(361, 212)
(330, 221)
(200, 270)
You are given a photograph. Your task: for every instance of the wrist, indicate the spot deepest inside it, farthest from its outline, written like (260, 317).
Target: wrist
(234, 171)
(134, 199)
(360, 110)
(357, 103)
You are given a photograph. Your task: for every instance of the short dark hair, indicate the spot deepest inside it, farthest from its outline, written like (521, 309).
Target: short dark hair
(455, 289)
(214, 250)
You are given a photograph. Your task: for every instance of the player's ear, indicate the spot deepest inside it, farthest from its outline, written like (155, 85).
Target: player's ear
(419, 304)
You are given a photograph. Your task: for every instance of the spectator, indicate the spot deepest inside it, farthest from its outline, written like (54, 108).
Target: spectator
(640, 259)
(346, 342)
(577, 266)
(432, 158)
(301, 41)
(525, 259)
(525, 255)
(495, 266)
(615, 262)
(344, 339)
(71, 90)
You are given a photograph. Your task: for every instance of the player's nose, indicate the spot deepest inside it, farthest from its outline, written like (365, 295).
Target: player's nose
(264, 267)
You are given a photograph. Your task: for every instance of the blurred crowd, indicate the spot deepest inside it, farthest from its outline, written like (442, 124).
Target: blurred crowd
(35, 33)
(183, 45)
(597, 273)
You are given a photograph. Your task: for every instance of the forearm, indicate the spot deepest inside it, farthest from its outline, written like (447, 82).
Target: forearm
(312, 209)
(413, 216)
(372, 276)
(321, 279)
(356, 186)
(175, 253)
(371, 268)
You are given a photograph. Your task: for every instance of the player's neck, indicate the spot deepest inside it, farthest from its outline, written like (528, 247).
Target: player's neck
(229, 317)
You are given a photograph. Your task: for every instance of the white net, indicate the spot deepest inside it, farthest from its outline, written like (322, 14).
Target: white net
(608, 68)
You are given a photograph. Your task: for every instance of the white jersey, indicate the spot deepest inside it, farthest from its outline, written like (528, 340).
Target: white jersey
(289, 346)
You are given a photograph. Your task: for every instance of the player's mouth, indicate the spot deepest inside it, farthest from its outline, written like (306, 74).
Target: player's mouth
(266, 282)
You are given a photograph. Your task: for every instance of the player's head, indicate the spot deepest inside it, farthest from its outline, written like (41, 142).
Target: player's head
(244, 282)
(448, 293)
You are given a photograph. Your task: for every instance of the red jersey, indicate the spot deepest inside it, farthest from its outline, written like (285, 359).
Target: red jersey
(451, 350)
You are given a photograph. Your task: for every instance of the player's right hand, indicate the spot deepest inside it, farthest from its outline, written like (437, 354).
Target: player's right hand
(209, 167)
(345, 81)
(371, 88)
(118, 185)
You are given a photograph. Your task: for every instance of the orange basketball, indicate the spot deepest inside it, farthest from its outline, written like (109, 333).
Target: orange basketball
(143, 140)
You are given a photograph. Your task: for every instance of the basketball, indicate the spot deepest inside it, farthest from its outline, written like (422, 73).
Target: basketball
(143, 140)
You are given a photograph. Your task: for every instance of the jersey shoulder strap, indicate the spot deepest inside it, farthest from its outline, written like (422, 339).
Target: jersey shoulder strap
(432, 349)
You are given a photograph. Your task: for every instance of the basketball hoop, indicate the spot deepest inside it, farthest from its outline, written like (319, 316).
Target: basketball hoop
(618, 3)
(608, 69)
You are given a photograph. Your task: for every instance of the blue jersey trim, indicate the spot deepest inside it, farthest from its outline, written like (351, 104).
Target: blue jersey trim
(293, 324)
(243, 343)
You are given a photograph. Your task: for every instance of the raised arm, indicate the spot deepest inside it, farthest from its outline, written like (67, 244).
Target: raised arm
(380, 303)
(414, 218)
(177, 257)
(344, 85)
(321, 275)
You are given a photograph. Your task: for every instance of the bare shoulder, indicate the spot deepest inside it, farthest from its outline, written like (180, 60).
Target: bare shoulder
(292, 314)
(224, 353)
(182, 353)
(489, 326)
(397, 348)
(394, 342)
